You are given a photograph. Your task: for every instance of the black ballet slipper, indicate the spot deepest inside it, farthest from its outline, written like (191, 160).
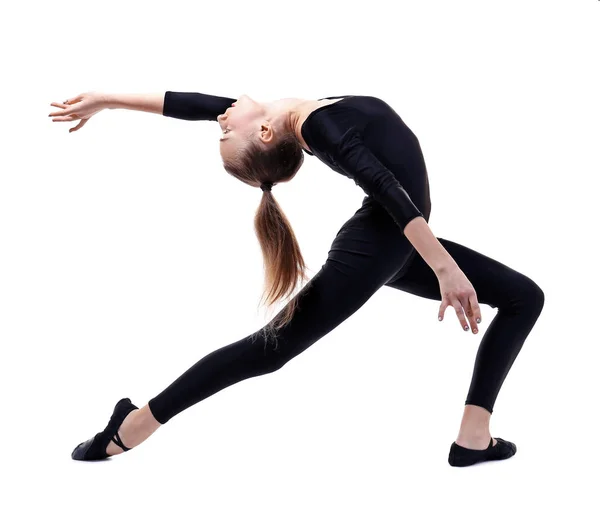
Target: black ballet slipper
(462, 457)
(95, 448)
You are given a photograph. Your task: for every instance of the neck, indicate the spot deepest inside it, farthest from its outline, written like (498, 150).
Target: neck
(294, 112)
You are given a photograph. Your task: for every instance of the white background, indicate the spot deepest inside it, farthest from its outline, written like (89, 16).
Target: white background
(128, 253)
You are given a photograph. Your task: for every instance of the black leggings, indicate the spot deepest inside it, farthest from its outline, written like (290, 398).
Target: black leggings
(370, 251)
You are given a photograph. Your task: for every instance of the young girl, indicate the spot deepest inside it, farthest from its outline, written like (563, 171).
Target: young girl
(386, 242)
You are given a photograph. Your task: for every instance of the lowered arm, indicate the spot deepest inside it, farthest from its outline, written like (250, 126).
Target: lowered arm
(360, 164)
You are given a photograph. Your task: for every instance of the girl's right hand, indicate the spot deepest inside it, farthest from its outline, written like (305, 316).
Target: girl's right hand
(81, 107)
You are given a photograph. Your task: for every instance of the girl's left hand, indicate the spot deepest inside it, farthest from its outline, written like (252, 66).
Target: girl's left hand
(81, 107)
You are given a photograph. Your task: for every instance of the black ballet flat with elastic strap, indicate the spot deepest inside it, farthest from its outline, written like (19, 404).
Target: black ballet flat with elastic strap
(95, 448)
(462, 456)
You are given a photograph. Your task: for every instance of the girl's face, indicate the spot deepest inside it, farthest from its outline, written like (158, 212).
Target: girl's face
(238, 123)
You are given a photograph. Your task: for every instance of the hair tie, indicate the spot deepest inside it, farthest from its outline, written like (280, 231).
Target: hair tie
(266, 186)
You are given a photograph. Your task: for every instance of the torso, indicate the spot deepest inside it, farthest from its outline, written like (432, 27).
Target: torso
(365, 139)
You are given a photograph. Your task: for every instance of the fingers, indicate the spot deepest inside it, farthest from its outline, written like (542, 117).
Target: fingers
(78, 126)
(74, 99)
(58, 105)
(60, 113)
(473, 311)
(66, 107)
(452, 300)
(457, 305)
(443, 307)
(68, 113)
(461, 303)
(64, 118)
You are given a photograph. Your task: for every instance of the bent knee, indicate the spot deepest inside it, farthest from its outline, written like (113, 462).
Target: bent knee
(530, 296)
(536, 297)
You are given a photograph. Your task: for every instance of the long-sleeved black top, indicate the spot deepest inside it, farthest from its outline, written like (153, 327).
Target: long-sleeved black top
(360, 137)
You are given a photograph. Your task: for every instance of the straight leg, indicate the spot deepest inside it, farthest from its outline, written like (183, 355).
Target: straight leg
(367, 251)
(365, 254)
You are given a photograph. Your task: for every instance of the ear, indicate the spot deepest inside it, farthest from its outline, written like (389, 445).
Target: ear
(266, 132)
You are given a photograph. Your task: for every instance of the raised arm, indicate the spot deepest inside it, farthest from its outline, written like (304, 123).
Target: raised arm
(181, 105)
(194, 105)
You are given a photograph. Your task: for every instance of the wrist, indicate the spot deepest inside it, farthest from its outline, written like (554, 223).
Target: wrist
(445, 268)
(108, 101)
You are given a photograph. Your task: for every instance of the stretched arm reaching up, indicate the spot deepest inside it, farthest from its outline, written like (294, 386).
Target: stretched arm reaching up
(181, 105)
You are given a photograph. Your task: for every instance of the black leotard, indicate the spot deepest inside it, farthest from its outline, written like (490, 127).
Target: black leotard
(360, 137)
(363, 138)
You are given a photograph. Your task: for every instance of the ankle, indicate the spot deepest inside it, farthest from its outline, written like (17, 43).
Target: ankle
(474, 435)
(144, 420)
(473, 441)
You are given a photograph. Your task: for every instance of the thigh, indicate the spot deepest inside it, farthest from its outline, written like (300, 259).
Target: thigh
(367, 251)
(495, 283)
